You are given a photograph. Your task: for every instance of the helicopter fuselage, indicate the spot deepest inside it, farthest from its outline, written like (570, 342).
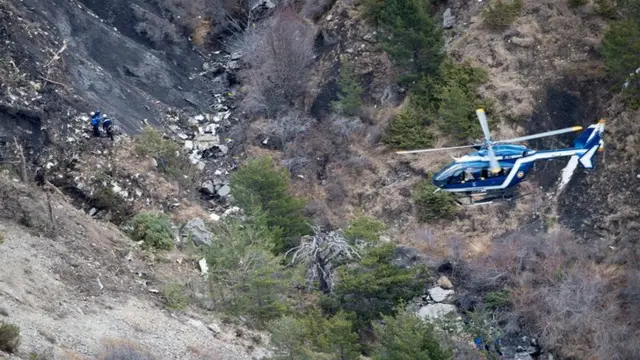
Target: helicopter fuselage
(471, 173)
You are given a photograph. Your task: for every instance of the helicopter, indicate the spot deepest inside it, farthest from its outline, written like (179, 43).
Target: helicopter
(493, 171)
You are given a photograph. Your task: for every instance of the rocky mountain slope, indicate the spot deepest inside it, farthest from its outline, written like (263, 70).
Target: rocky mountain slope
(134, 61)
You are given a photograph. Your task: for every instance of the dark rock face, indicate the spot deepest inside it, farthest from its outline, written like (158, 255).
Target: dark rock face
(115, 69)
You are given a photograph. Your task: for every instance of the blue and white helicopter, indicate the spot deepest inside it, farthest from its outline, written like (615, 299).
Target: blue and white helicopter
(492, 172)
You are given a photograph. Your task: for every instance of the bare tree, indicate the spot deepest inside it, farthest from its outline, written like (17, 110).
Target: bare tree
(279, 52)
(323, 252)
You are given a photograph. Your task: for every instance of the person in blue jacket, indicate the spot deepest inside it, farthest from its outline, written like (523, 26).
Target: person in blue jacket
(95, 122)
(106, 125)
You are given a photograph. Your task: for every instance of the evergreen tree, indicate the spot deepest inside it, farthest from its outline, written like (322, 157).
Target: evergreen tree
(350, 96)
(408, 131)
(413, 39)
(261, 185)
(374, 286)
(407, 337)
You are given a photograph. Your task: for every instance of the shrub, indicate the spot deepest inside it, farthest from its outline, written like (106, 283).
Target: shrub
(364, 228)
(9, 337)
(499, 14)
(497, 299)
(408, 131)
(125, 350)
(621, 51)
(1, 238)
(153, 230)
(411, 36)
(350, 95)
(406, 336)
(166, 152)
(175, 297)
(606, 8)
(431, 205)
(576, 3)
(262, 185)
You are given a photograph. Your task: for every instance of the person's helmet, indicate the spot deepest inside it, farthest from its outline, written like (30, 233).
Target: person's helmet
(92, 114)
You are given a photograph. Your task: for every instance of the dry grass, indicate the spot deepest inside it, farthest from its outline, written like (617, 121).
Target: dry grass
(546, 40)
(201, 32)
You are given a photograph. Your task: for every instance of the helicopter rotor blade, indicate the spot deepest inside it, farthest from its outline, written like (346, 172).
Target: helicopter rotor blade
(483, 123)
(435, 149)
(493, 162)
(540, 135)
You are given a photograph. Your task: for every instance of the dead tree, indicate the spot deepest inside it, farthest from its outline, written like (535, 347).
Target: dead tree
(322, 252)
(22, 161)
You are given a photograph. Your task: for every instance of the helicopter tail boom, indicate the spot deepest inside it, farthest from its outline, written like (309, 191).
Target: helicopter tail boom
(591, 140)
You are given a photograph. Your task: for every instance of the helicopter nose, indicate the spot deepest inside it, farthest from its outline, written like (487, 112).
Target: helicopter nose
(438, 183)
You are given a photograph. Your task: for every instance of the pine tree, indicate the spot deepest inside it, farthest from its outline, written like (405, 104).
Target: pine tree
(350, 96)
(407, 337)
(262, 185)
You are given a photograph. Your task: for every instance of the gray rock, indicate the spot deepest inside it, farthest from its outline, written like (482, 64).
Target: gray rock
(223, 149)
(236, 55)
(522, 356)
(224, 191)
(439, 294)
(208, 187)
(93, 211)
(214, 328)
(448, 20)
(405, 257)
(198, 231)
(206, 66)
(435, 311)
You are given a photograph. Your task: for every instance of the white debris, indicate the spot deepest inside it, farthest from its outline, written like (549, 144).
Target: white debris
(567, 172)
(204, 268)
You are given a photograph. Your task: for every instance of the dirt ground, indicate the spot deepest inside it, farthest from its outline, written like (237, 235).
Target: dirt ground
(71, 293)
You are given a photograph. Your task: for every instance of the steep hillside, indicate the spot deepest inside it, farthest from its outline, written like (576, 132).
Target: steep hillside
(327, 89)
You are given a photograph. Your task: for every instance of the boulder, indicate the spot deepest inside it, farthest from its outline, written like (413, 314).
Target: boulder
(405, 257)
(445, 283)
(207, 187)
(198, 231)
(448, 20)
(439, 294)
(224, 191)
(435, 311)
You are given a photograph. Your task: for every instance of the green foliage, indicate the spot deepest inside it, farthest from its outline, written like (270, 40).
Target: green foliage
(175, 296)
(364, 228)
(166, 152)
(407, 337)
(411, 36)
(606, 8)
(621, 51)
(408, 130)
(154, 230)
(431, 205)
(261, 185)
(630, 8)
(1, 238)
(576, 3)
(499, 14)
(350, 96)
(289, 339)
(313, 336)
(246, 278)
(459, 100)
(9, 337)
(497, 299)
(374, 286)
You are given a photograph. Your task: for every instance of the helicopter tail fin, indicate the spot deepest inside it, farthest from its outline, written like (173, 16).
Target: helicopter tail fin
(592, 141)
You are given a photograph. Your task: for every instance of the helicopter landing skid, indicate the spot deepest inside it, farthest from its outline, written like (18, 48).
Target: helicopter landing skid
(485, 198)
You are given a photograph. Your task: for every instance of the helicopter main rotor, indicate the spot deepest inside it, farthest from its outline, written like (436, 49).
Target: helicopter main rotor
(488, 143)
